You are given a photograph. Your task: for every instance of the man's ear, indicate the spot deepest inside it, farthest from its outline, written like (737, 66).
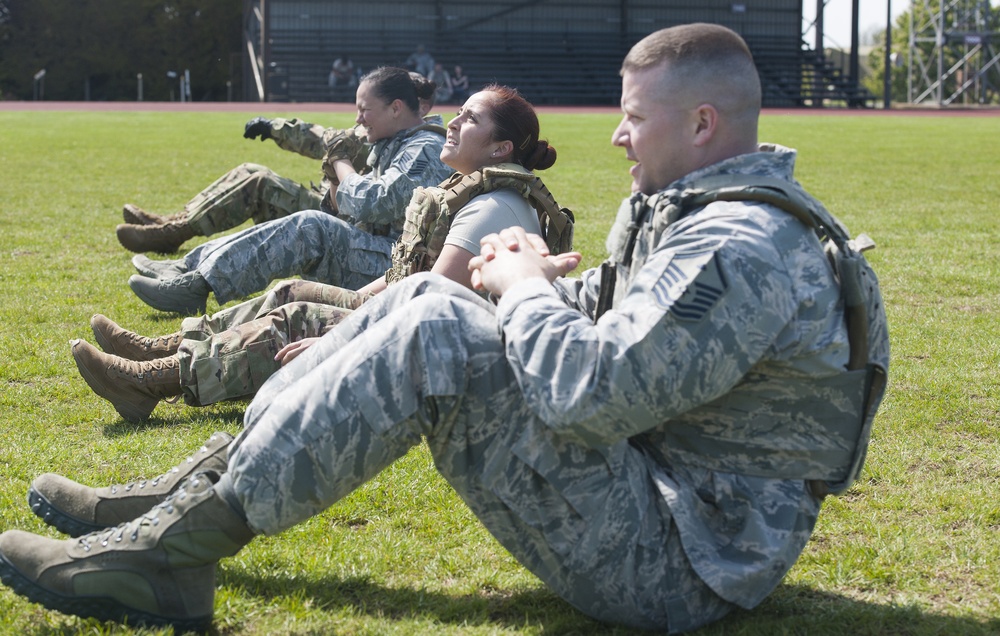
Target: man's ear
(706, 120)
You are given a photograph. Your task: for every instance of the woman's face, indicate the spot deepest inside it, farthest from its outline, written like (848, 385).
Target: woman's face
(381, 120)
(469, 144)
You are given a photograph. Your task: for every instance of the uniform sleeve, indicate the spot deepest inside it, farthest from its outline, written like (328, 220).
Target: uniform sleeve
(298, 136)
(383, 199)
(703, 308)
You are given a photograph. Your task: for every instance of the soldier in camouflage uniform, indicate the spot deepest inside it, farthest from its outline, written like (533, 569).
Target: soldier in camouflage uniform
(656, 453)
(230, 354)
(346, 250)
(254, 191)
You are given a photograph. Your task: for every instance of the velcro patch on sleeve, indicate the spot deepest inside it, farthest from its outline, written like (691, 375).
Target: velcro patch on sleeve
(691, 285)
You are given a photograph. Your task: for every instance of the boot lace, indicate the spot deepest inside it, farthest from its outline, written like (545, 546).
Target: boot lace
(140, 484)
(132, 529)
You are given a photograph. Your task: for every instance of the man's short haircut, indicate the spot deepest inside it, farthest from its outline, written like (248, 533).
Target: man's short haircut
(700, 55)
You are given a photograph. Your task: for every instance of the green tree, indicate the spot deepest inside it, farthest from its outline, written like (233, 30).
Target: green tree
(100, 46)
(956, 16)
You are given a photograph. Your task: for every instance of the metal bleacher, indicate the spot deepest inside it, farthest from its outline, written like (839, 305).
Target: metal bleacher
(577, 68)
(575, 64)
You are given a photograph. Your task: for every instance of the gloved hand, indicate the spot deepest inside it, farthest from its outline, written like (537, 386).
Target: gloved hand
(258, 127)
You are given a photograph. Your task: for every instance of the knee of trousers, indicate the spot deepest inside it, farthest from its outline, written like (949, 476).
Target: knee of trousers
(426, 283)
(211, 373)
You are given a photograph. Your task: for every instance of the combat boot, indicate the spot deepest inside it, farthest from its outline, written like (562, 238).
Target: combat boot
(156, 570)
(76, 509)
(154, 238)
(133, 388)
(134, 215)
(158, 269)
(126, 344)
(184, 294)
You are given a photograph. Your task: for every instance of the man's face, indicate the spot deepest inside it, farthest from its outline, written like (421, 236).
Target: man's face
(375, 115)
(656, 131)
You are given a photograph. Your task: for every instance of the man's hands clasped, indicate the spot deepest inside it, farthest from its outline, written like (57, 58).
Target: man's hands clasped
(512, 256)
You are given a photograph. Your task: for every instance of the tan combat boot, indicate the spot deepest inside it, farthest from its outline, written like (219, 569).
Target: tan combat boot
(76, 509)
(131, 346)
(158, 569)
(133, 388)
(154, 238)
(134, 215)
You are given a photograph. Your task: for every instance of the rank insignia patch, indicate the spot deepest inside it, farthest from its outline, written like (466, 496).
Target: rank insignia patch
(690, 286)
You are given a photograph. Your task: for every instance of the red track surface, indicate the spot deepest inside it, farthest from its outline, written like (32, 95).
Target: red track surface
(336, 107)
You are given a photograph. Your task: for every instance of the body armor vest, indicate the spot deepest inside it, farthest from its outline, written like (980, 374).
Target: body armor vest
(431, 211)
(760, 447)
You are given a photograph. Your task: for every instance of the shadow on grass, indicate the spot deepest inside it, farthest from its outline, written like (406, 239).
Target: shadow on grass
(791, 609)
(166, 415)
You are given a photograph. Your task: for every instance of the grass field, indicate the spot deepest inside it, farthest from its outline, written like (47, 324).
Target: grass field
(912, 549)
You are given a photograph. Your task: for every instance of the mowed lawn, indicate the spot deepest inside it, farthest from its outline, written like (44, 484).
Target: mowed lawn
(913, 548)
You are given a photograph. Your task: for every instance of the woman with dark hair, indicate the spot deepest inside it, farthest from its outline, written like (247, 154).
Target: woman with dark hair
(494, 137)
(343, 240)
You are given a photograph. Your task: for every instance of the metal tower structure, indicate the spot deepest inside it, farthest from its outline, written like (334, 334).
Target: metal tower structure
(954, 53)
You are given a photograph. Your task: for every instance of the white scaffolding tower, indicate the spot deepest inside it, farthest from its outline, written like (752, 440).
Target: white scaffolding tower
(954, 53)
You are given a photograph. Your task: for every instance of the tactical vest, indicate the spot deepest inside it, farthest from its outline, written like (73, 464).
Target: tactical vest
(431, 211)
(760, 447)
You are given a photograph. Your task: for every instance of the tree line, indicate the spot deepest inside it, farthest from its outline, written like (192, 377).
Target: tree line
(955, 12)
(96, 49)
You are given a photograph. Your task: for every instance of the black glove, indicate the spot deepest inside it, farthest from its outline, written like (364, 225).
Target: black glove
(258, 127)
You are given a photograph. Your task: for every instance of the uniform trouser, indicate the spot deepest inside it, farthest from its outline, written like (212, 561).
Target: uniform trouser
(311, 244)
(234, 362)
(247, 191)
(285, 292)
(425, 359)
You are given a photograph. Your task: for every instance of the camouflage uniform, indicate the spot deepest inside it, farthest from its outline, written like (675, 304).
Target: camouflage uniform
(348, 250)
(550, 425)
(229, 355)
(254, 191)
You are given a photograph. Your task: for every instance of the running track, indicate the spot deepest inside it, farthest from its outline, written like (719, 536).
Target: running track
(339, 107)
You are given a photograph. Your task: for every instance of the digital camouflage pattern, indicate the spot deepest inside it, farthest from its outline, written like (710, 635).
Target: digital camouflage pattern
(230, 354)
(288, 291)
(230, 358)
(247, 191)
(254, 191)
(376, 202)
(349, 250)
(310, 244)
(550, 432)
(317, 142)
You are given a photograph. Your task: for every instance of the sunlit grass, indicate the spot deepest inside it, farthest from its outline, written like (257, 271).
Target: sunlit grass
(911, 549)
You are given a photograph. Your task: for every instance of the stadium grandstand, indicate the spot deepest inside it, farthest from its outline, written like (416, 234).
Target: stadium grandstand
(564, 52)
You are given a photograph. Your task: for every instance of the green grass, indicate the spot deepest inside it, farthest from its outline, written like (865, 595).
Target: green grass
(912, 548)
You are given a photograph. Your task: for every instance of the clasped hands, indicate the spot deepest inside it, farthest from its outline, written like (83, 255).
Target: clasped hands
(512, 256)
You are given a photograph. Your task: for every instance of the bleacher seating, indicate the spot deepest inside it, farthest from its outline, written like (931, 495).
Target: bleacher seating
(564, 69)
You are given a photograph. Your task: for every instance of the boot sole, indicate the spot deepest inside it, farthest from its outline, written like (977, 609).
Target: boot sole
(58, 519)
(128, 411)
(99, 607)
